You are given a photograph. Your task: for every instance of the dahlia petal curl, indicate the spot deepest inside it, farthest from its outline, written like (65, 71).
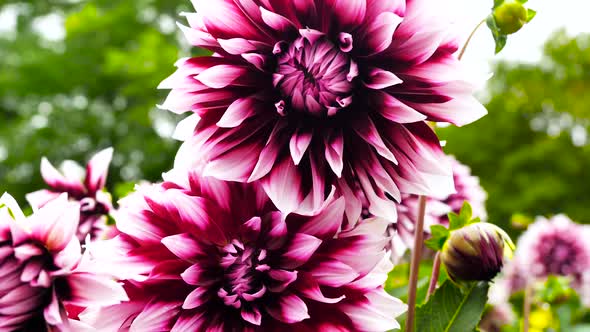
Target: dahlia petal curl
(322, 93)
(85, 186)
(201, 254)
(43, 272)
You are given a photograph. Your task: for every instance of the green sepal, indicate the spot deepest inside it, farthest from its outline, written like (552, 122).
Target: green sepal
(530, 14)
(499, 38)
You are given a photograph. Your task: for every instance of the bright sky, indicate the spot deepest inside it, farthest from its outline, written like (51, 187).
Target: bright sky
(524, 46)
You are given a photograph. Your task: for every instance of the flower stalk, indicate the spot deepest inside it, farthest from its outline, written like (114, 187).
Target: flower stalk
(434, 275)
(415, 264)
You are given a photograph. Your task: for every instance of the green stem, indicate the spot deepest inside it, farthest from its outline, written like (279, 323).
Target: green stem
(415, 263)
(434, 276)
(469, 39)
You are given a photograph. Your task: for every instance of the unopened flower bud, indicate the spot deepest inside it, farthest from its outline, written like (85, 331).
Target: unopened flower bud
(510, 16)
(475, 252)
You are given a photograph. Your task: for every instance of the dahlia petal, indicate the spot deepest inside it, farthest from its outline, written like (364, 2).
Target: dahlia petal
(377, 313)
(458, 111)
(379, 32)
(196, 298)
(348, 13)
(309, 288)
(283, 186)
(197, 37)
(97, 170)
(299, 250)
(366, 129)
(277, 22)
(237, 112)
(380, 79)
(237, 46)
(393, 109)
(51, 312)
(250, 230)
(91, 290)
(184, 246)
(288, 309)
(185, 128)
(191, 322)
(277, 233)
(22, 299)
(298, 145)
(40, 197)
(251, 315)
(55, 223)
(220, 76)
(156, 316)
(259, 61)
(333, 273)
(234, 165)
(334, 150)
(283, 279)
(111, 318)
(57, 181)
(325, 224)
(224, 19)
(194, 275)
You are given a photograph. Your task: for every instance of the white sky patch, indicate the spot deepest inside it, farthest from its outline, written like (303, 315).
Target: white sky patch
(8, 19)
(51, 27)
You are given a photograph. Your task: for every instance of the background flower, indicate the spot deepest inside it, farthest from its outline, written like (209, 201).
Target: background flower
(42, 269)
(202, 254)
(467, 188)
(83, 186)
(313, 94)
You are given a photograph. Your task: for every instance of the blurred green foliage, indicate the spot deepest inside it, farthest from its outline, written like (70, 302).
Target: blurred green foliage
(65, 97)
(531, 151)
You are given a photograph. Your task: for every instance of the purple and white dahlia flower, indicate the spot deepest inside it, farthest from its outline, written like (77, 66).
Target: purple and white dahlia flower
(42, 270)
(200, 254)
(556, 246)
(308, 95)
(84, 186)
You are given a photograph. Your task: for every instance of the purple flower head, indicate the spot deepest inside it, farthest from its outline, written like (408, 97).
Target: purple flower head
(555, 246)
(314, 95)
(83, 186)
(42, 269)
(475, 252)
(200, 254)
(467, 188)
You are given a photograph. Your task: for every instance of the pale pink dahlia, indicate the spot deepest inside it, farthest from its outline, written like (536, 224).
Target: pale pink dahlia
(206, 255)
(83, 186)
(310, 94)
(467, 189)
(556, 246)
(42, 269)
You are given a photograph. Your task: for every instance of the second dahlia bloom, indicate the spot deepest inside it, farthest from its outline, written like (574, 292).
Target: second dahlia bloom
(42, 270)
(84, 186)
(307, 95)
(200, 254)
(467, 189)
(556, 246)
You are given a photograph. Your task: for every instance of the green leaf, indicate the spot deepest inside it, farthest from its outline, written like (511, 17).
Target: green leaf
(530, 14)
(451, 310)
(438, 237)
(497, 3)
(466, 211)
(499, 38)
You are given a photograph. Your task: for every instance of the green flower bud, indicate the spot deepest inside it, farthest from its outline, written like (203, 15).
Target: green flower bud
(510, 17)
(476, 252)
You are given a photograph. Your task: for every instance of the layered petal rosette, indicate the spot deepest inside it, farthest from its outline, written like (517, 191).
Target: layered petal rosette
(310, 94)
(556, 246)
(42, 270)
(200, 254)
(467, 189)
(84, 186)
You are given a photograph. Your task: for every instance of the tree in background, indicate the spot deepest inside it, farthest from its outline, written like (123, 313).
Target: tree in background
(531, 150)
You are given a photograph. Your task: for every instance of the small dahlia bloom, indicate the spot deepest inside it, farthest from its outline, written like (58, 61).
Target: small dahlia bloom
(556, 246)
(83, 186)
(42, 270)
(307, 95)
(467, 188)
(200, 254)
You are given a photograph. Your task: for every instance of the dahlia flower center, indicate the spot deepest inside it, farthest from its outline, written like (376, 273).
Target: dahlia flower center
(243, 268)
(560, 256)
(313, 75)
(91, 206)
